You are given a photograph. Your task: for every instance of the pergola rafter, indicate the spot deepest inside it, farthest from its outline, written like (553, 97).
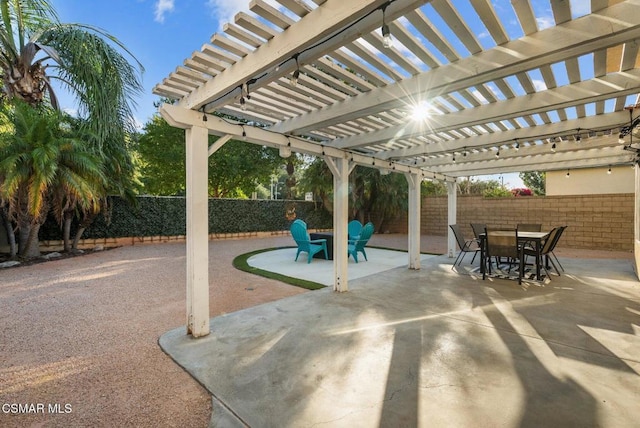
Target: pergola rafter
(318, 78)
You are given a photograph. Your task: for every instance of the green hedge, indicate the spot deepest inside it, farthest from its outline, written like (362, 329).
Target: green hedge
(166, 216)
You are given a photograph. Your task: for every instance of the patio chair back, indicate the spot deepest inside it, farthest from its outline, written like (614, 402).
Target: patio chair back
(478, 228)
(457, 232)
(357, 246)
(547, 249)
(470, 246)
(553, 247)
(302, 222)
(504, 243)
(354, 229)
(550, 242)
(304, 242)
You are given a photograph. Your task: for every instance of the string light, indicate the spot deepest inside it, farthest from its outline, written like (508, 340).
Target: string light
(567, 176)
(296, 74)
(204, 115)
(609, 170)
(553, 148)
(517, 146)
(243, 104)
(387, 41)
(244, 133)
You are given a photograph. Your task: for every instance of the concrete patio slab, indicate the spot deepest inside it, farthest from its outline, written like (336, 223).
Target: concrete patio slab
(434, 347)
(282, 261)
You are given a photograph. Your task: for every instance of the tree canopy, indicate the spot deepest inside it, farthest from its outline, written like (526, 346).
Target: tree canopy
(235, 170)
(536, 181)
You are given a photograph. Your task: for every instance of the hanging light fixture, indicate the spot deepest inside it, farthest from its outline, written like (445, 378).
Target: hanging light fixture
(387, 41)
(296, 74)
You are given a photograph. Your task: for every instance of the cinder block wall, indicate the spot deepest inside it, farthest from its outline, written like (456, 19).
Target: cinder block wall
(595, 221)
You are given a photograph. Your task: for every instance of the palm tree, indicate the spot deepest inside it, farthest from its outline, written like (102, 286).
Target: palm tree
(79, 188)
(43, 163)
(37, 49)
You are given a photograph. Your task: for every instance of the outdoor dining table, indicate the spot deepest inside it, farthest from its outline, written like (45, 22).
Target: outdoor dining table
(523, 237)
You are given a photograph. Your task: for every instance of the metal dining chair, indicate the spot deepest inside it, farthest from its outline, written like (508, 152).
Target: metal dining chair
(466, 246)
(504, 243)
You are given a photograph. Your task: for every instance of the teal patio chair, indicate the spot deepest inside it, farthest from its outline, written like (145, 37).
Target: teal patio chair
(305, 244)
(302, 222)
(356, 246)
(354, 229)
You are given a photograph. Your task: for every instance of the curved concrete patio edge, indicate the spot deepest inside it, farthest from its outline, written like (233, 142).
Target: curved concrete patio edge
(172, 343)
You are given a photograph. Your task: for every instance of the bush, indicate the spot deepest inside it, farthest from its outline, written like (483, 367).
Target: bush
(521, 192)
(166, 216)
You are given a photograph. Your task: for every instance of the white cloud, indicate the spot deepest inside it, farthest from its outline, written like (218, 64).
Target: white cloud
(225, 10)
(545, 22)
(162, 7)
(539, 85)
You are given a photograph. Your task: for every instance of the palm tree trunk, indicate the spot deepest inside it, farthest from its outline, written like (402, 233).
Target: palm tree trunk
(31, 247)
(76, 238)
(86, 222)
(11, 235)
(66, 232)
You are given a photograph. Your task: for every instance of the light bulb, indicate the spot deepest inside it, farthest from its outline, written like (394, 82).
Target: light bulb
(387, 41)
(294, 78)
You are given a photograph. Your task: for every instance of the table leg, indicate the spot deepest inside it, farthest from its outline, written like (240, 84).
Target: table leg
(483, 267)
(538, 259)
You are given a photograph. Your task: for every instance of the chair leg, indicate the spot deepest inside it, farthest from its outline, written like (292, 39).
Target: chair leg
(554, 256)
(365, 255)
(554, 266)
(456, 260)
(521, 270)
(309, 258)
(474, 256)
(297, 254)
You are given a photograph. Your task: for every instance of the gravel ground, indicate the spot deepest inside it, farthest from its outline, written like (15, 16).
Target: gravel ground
(82, 333)
(79, 335)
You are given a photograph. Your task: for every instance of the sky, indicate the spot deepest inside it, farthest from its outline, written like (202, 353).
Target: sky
(162, 33)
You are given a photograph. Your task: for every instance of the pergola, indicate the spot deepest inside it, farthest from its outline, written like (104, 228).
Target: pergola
(498, 90)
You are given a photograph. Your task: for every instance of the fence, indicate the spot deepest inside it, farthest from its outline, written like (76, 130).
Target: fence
(595, 221)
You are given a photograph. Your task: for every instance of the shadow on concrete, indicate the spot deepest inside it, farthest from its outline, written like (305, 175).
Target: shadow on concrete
(427, 348)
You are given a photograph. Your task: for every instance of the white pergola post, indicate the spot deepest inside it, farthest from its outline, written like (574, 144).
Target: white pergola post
(452, 208)
(414, 181)
(197, 231)
(636, 222)
(340, 169)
